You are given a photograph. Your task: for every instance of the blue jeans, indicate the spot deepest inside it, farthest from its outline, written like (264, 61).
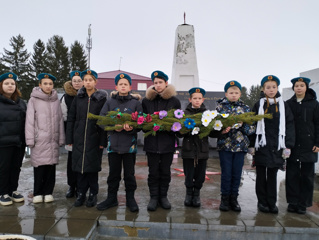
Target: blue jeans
(231, 164)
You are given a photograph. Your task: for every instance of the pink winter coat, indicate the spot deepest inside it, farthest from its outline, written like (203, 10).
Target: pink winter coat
(44, 127)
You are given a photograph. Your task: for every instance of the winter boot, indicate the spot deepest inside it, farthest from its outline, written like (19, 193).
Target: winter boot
(70, 193)
(130, 201)
(189, 197)
(92, 200)
(163, 201)
(152, 205)
(234, 205)
(154, 192)
(80, 200)
(196, 198)
(110, 201)
(224, 203)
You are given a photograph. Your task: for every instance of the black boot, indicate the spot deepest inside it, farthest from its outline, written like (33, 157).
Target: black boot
(80, 200)
(130, 201)
(152, 205)
(196, 198)
(110, 201)
(163, 201)
(92, 200)
(224, 203)
(70, 193)
(234, 203)
(189, 197)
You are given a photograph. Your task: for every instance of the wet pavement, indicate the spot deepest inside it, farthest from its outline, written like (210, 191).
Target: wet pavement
(60, 220)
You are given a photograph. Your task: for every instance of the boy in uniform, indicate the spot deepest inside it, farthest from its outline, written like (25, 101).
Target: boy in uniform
(160, 148)
(122, 144)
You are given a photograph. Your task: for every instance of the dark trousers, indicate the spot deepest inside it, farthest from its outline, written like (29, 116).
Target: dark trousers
(88, 181)
(44, 180)
(266, 185)
(159, 173)
(10, 167)
(115, 169)
(231, 164)
(194, 172)
(71, 175)
(300, 183)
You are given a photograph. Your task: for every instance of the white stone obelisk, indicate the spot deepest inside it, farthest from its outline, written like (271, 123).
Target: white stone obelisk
(185, 71)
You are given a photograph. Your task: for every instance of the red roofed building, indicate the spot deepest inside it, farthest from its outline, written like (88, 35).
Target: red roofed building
(106, 80)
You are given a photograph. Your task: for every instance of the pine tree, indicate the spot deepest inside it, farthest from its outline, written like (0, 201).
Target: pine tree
(78, 58)
(3, 67)
(39, 61)
(18, 62)
(58, 60)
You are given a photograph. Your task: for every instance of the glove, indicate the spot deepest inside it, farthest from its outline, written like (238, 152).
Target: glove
(251, 151)
(286, 153)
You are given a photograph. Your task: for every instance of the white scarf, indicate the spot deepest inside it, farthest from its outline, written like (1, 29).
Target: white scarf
(261, 124)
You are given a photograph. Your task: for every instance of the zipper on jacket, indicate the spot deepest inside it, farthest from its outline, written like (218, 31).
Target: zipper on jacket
(86, 124)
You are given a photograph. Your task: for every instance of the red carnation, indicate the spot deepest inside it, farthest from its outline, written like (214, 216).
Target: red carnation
(140, 120)
(148, 118)
(134, 116)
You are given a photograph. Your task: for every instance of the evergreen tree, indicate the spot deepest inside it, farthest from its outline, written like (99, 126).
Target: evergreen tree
(58, 60)
(78, 60)
(251, 97)
(17, 61)
(39, 61)
(3, 67)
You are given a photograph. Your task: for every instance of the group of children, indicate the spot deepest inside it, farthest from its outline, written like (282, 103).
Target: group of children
(291, 135)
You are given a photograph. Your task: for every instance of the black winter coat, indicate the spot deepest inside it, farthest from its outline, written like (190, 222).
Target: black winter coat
(163, 142)
(306, 116)
(268, 155)
(12, 122)
(194, 147)
(124, 141)
(84, 134)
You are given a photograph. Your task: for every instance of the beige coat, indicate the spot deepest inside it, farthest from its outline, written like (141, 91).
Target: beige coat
(44, 128)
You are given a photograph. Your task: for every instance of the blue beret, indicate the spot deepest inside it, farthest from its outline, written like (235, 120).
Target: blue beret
(7, 75)
(301, 79)
(232, 84)
(197, 90)
(270, 77)
(90, 72)
(123, 75)
(75, 73)
(159, 74)
(46, 75)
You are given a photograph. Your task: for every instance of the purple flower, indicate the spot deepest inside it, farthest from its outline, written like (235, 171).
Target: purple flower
(179, 113)
(162, 114)
(176, 127)
(189, 123)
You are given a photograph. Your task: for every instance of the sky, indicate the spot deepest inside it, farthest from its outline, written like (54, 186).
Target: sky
(241, 40)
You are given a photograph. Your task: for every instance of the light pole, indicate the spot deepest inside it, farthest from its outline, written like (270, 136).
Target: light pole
(89, 45)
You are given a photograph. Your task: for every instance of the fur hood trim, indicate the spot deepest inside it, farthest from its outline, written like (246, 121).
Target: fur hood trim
(168, 92)
(134, 95)
(69, 89)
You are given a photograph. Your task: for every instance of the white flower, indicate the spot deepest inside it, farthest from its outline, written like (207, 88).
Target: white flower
(206, 121)
(218, 125)
(213, 114)
(236, 126)
(225, 115)
(210, 114)
(195, 130)
(206, 114)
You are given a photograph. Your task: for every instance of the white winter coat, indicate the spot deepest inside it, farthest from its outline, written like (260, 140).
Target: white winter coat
(44, 128)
